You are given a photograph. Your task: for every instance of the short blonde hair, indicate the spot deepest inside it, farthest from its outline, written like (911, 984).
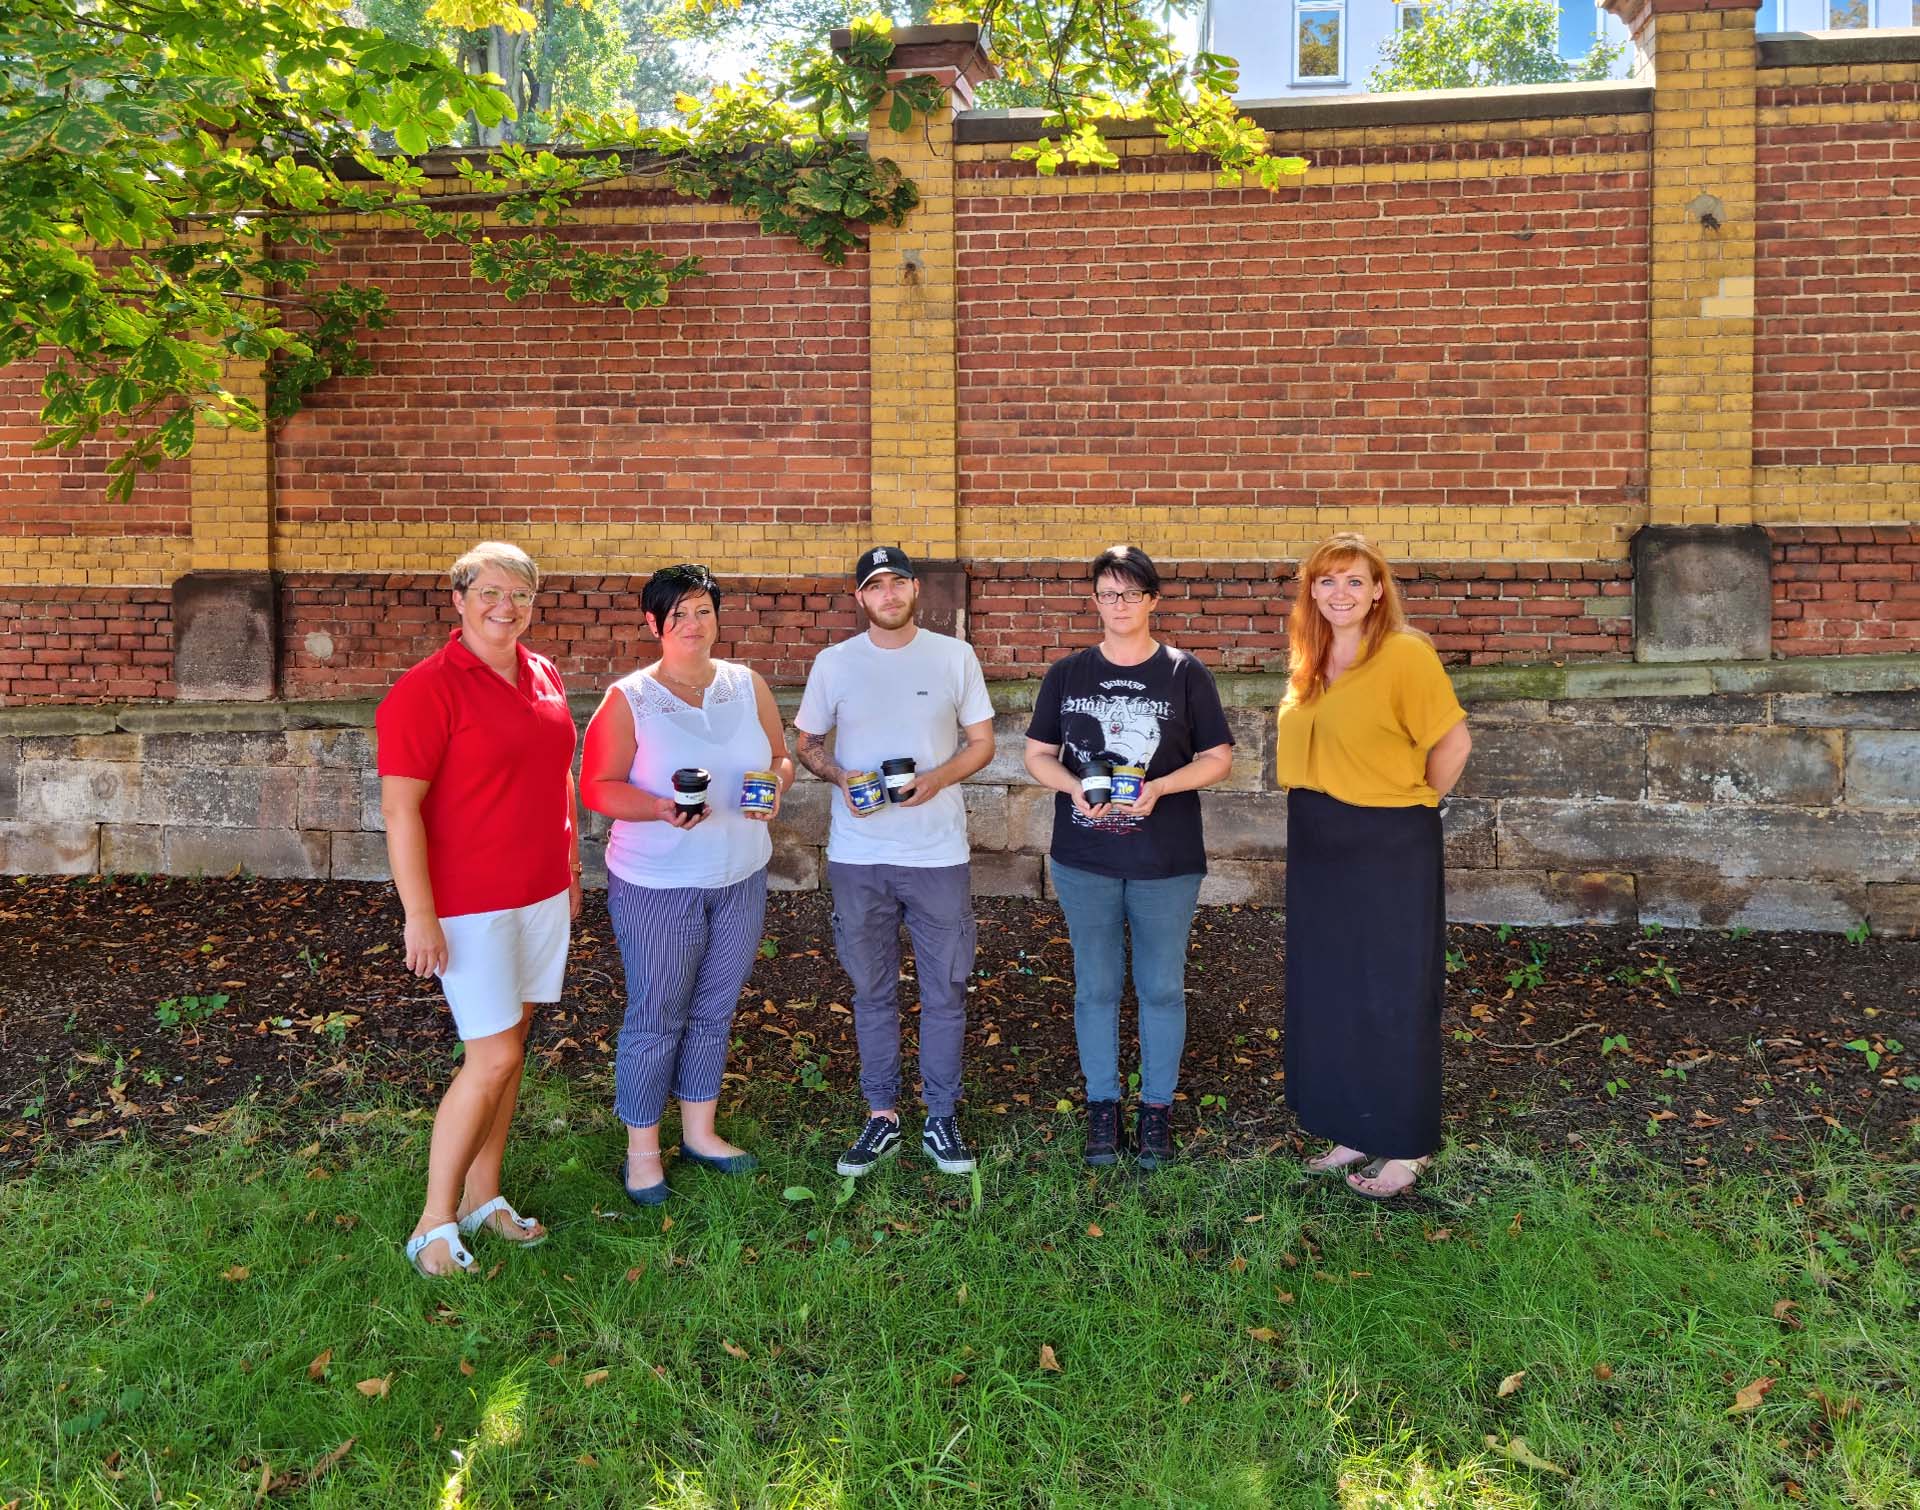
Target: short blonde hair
(509, 558)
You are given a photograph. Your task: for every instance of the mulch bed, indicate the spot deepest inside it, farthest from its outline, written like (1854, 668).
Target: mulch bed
(1702, 1047)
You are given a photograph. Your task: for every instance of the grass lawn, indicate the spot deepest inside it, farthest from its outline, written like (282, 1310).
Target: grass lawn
(193, 1328)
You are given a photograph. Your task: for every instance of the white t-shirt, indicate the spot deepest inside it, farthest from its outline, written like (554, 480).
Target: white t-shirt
(724, 736)
(885, 704)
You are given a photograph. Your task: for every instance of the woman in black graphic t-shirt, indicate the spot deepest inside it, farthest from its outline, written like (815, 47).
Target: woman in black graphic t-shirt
(1128, 868)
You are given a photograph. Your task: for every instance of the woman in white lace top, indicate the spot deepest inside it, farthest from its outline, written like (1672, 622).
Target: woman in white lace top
(687, 883)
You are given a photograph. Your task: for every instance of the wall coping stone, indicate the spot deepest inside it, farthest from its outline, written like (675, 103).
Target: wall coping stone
(1814, 49)
(1584, 680)
(1435, 107)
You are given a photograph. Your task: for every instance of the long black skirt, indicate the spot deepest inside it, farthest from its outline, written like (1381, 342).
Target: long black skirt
(1366, 973)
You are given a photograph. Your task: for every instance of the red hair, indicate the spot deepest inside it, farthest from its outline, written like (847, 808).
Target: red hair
(1310, 637)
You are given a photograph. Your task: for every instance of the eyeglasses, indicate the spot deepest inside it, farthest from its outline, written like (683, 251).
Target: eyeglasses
(493, 597)
(1131, 595)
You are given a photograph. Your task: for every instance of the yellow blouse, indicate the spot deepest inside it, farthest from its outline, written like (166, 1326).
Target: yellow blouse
(1364, 741)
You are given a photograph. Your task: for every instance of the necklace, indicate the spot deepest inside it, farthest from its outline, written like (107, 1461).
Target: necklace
(695, 687)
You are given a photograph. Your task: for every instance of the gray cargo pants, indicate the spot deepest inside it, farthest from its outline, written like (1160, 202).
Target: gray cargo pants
(936, 903)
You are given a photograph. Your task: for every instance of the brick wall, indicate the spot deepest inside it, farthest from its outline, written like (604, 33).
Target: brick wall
(1438, 353)
(738, 413)
(1837, 354)
(97, 644)
(1846, 590)
(1024, 615)
(347, 635)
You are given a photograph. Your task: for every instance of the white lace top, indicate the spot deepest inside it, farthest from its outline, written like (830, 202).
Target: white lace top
(723, 735)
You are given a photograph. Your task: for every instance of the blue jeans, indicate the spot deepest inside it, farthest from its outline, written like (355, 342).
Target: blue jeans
(1101, 911)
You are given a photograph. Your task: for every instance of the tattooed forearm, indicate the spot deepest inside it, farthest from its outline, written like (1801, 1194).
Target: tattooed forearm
(811, 750)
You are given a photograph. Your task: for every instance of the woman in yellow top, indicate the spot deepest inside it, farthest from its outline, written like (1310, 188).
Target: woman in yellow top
(1371, 738)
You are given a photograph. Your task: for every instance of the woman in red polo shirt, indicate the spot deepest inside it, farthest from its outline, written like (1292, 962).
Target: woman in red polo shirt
(476, 786)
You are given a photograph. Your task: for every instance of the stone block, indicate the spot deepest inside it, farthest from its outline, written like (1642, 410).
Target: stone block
(371, 818)
(986, 817)
(1468, 827)
(1008, 766)
(1825, 673)
(1006, 875)
(1734, 842)
(1480, 684)
(1242, 883)
(796, 866)
(594, 826)
(358, 857)
(1252, 730)
(80, 791)
(330, 799)
(210, 718)
(9, 777)
(1610, 679)
(1883, 768)
(1030, 819)
(1539, 898)
(1894, 911)
(345, 749)
(1556, 760)
(1245, 825)
(1662, 712)
(806, 813)
(132, 849)
(48, 848)
(33, 723)
(1251, 689)
(1849, 710)
(1763, 764)
(1702, 593)
(110, 747)
(215, 747)
(593, 864)
(278, 852)
(247, 797)
(331, 713)
(1512, 710)
(1710, 902)
(225, 636)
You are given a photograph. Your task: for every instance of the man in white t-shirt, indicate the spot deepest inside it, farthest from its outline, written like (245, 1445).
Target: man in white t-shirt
(901, 692)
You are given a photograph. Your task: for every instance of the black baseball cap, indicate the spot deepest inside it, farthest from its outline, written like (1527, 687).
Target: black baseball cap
(881, 558)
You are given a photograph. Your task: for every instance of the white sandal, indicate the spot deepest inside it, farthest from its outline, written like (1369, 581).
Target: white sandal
(475, 1219)
(462, 1260)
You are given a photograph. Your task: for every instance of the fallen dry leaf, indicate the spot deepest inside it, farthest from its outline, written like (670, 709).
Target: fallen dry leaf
(732, 1349)
(1187, 1398)
(331, 1460)
(1513, 1230)
(1783, 1313)
(375, 1389)
(1093, 1230)
(1236, 1265)
(466, 1369)
(666, 1224)
(1833, 1410)
(1510, 1384)
(960, 1295)
(1516, 1449)
(587, 1460)
(1285, 1297)
(1048, 1362)
(1749, 1396)
(318, 1368)
(1602, 1372)
(237, 1273)
(1263, 1334)
(598, 1376)
(1440, 1235)
(635, 1272)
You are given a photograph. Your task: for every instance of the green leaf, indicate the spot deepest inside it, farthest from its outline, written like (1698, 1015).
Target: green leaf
(796, 1193)
(900, 113)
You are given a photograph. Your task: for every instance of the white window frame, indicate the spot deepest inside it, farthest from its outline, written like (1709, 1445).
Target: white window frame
(1407, 14)
(1871, 22)
(1338, 10)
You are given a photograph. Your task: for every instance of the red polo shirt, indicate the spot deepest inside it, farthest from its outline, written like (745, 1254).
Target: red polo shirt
(497, 753)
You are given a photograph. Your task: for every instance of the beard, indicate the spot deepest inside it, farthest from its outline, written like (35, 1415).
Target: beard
(897, 618)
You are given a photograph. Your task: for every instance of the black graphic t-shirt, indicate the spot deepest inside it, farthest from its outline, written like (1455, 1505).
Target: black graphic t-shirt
(1157, 715)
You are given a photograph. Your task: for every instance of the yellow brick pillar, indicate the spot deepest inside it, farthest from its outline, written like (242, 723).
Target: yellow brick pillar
(912, 301)
(1703, 57)
(232, 485)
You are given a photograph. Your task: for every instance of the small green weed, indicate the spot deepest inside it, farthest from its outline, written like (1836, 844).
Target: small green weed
(1860, 932)
(189, 1011)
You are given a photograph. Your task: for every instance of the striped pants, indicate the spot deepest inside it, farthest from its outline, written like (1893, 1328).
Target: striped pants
(687, 951)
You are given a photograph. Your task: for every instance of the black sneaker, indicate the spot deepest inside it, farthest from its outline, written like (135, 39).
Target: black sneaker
(1152, 1137)
(945, 1146)
(1103, 1133)
(880, 1137)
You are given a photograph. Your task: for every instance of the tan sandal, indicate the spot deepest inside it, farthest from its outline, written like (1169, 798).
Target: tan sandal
(1416, 1167)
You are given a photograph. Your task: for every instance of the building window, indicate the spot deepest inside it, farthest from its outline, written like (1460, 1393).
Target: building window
(1320, 41)
(1408, 14)
(1769, 19)
(1847, 15)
